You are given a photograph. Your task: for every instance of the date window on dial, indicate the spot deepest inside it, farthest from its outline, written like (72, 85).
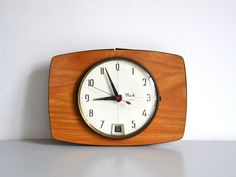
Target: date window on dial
(117, 129)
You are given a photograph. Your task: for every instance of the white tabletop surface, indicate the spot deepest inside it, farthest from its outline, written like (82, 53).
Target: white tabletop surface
(33, 158)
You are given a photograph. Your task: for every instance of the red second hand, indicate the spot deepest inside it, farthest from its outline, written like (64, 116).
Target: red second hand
(102, 91)
(126, 101)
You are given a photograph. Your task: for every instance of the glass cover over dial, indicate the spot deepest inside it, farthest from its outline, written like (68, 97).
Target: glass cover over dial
(117, 98)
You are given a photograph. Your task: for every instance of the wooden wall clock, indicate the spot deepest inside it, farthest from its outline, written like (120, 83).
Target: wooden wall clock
(117, 97)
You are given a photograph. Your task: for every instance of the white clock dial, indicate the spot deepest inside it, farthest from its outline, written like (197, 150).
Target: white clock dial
(117, 98)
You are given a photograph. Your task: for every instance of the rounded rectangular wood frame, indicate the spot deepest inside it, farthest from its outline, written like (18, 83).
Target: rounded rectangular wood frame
(67, 70)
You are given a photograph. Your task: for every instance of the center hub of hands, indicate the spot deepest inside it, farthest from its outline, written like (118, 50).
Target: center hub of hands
(118, 98)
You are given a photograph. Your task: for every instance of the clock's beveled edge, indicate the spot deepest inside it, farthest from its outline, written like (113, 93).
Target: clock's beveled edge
(64, 128)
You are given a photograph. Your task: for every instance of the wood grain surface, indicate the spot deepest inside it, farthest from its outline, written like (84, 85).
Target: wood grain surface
(66, 72)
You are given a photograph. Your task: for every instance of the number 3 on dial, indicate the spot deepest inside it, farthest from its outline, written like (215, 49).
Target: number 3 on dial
(117, 98)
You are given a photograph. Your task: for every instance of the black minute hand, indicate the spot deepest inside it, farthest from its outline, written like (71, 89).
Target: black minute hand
(112, 84)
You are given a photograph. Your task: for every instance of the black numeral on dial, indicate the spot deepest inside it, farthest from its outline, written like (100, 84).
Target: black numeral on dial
(133, 124)
(102, 122)
(132, 71)
(144, 82)
(148, 97)
(91, 82)
(117, 67)
(86, 97)
(90, 113)
(144, 113)
(102, 71)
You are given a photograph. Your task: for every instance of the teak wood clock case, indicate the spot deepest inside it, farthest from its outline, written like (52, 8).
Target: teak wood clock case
(67, 71)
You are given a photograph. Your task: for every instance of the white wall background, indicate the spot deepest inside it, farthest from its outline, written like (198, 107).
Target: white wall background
(202, 31)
